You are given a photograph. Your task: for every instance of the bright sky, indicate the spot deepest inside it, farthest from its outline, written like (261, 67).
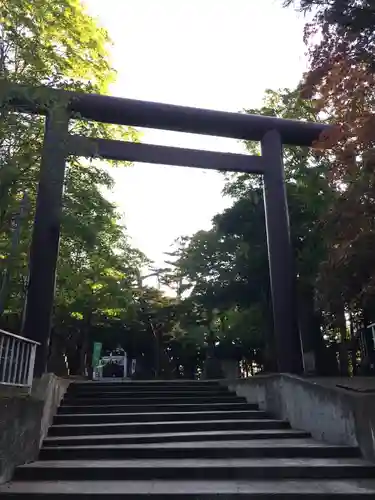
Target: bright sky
(218, 54)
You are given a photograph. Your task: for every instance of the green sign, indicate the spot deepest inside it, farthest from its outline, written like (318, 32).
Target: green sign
(97, 350)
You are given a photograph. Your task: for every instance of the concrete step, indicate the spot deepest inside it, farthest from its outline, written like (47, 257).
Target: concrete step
(102, 418)
(78, 388)
(193, 469)
(148, 383)
(181, 408)
(122, 400)
(179, 426)
(192, 490)
(149, 394)
(257, 448)
(172, 437)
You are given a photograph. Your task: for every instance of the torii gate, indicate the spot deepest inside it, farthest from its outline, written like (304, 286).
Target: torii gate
(59, 106)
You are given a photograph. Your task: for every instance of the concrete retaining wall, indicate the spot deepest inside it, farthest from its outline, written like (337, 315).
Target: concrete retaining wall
(25, 419)
(329, 413)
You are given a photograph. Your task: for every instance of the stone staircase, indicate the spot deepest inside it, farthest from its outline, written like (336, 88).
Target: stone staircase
(182, 440)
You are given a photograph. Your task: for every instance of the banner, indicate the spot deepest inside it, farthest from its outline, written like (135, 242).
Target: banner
(96, 353)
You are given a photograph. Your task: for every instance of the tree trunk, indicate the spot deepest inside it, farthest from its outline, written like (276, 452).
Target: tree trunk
(86, 350)
(321, 349)
(343, 352)
(74, 359)
(212, 368)
(310, 327)
(56, 361)
(84, 354)
(354, 345)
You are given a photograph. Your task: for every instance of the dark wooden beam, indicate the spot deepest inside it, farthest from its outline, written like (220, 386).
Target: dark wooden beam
(136, 113)
(164, 155)
(44, 246)
(280, 258)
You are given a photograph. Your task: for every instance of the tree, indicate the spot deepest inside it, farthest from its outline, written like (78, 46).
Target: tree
(57, 44)
(340, 79)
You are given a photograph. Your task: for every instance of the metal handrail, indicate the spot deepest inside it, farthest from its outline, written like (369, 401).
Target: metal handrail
(25, 339)
(17, 360)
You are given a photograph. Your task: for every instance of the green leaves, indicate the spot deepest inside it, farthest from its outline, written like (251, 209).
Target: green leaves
(56, 44)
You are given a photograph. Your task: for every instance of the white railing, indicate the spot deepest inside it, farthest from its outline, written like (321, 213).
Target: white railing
(121, 361)
(17, 359)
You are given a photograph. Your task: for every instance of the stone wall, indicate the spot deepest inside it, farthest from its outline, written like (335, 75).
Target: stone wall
(50, 390)
(329, 413)
(25, 419)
